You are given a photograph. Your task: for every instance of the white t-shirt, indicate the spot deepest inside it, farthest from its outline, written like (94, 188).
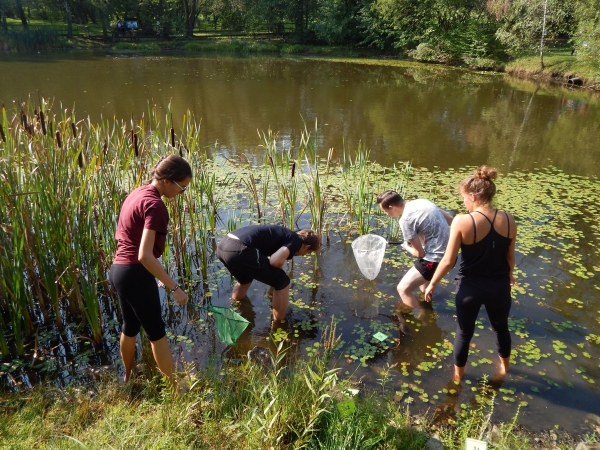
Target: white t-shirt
(424, 219)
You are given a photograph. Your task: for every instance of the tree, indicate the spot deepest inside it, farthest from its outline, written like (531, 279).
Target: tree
(429, 29)
(587, 35)
(3, 16)
(520, 29)
(21, 12)
(338, 21)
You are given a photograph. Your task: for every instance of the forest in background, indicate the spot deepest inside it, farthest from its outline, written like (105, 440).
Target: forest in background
(448, 31)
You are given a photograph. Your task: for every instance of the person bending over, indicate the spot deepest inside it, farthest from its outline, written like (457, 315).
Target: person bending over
(425, 230)
(486, 238)
(257, 252)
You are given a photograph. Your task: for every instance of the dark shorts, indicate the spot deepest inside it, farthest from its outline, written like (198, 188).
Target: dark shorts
(139, 299)
(247, 264)
(426, 268)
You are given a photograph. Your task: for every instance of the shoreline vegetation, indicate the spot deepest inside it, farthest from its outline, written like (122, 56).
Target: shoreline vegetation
(560, 65)
(560, 68)
(243, 404)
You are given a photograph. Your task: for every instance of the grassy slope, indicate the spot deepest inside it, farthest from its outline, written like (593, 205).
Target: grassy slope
(559, 65)
(241, 407)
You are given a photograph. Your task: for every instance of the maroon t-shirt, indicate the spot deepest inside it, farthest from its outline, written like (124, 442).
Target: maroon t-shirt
(142, 209)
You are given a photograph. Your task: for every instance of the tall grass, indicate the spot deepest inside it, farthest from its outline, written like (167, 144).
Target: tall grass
(64, 181)
(285, 404)
(28, 40)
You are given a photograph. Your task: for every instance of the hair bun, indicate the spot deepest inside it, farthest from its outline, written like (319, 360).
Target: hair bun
(486, 173)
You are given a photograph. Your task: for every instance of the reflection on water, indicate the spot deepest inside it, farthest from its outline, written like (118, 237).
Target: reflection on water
(429, 115)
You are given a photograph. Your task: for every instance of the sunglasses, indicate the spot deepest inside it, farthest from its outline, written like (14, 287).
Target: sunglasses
(182, 188)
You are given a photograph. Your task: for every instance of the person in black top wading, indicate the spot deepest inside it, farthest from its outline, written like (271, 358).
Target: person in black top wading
(257, 252)
(486, 238)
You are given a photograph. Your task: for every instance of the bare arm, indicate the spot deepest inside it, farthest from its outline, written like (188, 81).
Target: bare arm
(449, 217)
(149, 261)
(415, 248)
(279, 257)
(448, 260)
(511, 250)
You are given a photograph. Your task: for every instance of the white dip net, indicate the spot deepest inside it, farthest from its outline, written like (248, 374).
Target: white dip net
(368, 251)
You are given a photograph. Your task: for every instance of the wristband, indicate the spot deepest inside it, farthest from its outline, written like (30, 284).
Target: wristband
(175, 288)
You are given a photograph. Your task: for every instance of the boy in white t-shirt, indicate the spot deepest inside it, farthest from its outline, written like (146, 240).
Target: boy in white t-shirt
(426, 229)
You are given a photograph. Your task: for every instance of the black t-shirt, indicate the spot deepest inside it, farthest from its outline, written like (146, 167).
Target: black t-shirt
(267, 239)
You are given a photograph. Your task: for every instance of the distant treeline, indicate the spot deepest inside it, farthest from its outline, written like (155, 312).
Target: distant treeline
(440, 30)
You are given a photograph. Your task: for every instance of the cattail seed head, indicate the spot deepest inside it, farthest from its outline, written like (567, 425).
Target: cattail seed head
(43, 122)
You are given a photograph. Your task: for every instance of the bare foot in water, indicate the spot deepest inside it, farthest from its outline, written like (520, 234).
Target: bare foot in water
(504, 366)
(458, 374)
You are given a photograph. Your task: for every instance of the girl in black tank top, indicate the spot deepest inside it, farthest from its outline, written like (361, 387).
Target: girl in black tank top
(485, 273)
(486, 260)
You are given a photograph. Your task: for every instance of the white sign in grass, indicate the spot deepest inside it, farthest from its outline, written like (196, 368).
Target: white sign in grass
(474, 444)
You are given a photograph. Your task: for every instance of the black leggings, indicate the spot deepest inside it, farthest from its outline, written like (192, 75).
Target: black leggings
(469, 298)
(139, 299)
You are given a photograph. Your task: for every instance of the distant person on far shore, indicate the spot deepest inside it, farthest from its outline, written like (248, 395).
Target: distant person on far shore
(425, 230)
(486, 238)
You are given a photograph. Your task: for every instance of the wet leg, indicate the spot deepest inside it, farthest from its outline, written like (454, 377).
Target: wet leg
(240, 291)
(409, 282)
(127, 354)
(164, 359)
(280, 303)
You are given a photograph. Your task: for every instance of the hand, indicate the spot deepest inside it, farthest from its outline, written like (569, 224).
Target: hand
(406, 246)
(429, 292)
(180, 296)
(512, 279)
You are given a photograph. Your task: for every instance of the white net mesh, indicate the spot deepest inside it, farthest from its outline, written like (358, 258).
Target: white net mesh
(368, 251)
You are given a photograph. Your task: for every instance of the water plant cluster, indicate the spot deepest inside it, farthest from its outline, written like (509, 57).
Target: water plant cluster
(64, 181)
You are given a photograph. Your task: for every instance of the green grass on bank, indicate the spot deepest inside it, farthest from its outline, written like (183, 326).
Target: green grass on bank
(243, 405)
(559, 65)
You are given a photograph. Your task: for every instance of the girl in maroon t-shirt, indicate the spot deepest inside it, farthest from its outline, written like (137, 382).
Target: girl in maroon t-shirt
(141, 234)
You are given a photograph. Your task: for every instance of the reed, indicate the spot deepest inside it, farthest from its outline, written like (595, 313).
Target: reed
(64, 181)
(283, 171)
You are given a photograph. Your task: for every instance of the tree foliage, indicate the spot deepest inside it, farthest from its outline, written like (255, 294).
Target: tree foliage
(435, 30)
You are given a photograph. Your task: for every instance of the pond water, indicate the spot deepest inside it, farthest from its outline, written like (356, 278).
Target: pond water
(544, 140)
(429, 115)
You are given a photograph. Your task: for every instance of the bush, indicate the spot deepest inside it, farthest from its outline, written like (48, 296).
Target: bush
(150, 46)
(293, 49)
(28, 40)
(425, 52)
(481, 63)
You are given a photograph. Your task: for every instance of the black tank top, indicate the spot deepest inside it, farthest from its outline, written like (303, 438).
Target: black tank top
(486, 259)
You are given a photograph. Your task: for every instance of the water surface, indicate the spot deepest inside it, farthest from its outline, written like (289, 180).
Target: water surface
(437, 118)
(429, 115)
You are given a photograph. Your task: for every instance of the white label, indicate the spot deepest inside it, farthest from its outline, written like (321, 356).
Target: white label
(474, 444)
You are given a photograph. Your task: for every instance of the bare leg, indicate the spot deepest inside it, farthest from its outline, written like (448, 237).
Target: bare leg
(163, 358)
(504, 366)
(409, 282)
(240, 291)
(458, 373)
(280, 303)
(128, 354)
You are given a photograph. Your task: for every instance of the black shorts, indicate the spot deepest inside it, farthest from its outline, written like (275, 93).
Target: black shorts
(247, 264)
(426, 268)
(139, 299)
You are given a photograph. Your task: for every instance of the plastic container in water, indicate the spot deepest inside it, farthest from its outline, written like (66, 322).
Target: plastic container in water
(368, 251)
